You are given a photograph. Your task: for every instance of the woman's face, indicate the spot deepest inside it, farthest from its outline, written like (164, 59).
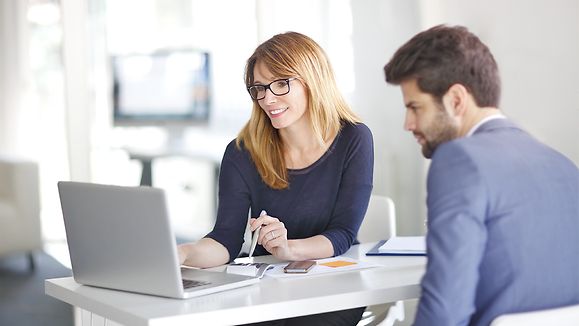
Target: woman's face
(284, 111)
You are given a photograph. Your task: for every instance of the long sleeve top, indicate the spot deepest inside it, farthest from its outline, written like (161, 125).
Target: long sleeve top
(328, 198)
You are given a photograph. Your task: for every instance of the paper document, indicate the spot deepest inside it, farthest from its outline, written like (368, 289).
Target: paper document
(327, 265)
(249, 269)
(404, 245)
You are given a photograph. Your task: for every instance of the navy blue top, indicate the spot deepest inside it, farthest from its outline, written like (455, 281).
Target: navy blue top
(330, 197)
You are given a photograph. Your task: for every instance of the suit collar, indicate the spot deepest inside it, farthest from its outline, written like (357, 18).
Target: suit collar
(495, 124)
(482, 121)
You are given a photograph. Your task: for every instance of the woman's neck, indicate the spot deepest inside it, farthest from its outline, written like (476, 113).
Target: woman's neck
(301, 146)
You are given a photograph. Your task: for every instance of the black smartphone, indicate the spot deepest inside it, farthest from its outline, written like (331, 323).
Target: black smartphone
(303, 266)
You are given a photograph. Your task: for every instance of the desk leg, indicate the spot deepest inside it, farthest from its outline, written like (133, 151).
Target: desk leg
(77, 315)
(147, 173)
(86, 318)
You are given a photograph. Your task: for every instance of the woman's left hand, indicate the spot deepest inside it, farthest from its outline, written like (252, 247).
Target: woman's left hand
(273, 236)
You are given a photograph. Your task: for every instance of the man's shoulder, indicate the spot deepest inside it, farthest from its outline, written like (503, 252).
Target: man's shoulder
(493, 136)
(503, 148)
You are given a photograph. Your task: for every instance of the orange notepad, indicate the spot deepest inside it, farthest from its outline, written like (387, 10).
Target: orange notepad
(338, 263)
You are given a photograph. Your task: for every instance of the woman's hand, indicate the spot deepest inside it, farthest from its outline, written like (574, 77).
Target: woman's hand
(182, 252)
(204, 253)
(273, 236)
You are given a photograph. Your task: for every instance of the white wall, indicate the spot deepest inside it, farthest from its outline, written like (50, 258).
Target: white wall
(379, 28)
(536, 44)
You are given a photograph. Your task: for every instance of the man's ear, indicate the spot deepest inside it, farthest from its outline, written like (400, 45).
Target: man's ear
(455, 99)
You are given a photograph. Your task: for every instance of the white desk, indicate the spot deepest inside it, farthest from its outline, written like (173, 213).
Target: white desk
(270, 299)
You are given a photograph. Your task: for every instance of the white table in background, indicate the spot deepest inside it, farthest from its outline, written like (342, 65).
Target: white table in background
(398, 278)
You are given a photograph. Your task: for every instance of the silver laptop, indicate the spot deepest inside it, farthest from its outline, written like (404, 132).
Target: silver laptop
(121, 238)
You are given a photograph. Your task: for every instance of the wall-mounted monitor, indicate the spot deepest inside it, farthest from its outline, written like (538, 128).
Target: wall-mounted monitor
(164, 88)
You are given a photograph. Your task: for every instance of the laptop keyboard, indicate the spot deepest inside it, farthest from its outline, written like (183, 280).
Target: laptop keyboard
(188, 284)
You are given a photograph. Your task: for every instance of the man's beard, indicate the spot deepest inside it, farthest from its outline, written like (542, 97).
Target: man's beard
(442, 129)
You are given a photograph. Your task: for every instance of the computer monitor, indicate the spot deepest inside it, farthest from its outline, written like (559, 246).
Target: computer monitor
(169, 88)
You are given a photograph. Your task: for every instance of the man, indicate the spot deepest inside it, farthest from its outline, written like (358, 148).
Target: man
(503, 209)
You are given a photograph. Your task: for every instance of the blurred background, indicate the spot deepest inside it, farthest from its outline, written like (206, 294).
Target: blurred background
(149, 92)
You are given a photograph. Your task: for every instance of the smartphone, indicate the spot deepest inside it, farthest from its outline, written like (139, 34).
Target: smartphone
(303, 266)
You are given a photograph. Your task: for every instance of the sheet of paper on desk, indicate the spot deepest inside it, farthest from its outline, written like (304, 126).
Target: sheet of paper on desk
(323, 266)
(249, 269)
(403, 245)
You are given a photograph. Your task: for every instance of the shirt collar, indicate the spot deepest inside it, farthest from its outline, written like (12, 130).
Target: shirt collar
(480, 123)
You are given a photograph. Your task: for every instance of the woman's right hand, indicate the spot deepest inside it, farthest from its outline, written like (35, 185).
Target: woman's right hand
(273, 236)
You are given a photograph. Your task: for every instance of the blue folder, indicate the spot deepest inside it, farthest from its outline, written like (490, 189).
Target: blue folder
(375, 251)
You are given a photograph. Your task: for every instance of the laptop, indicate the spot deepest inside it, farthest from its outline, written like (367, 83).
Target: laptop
(121, 238)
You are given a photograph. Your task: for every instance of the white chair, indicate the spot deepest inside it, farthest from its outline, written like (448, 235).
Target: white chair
(380, 220)
(380, 224)
(19, 207)
(563, 316)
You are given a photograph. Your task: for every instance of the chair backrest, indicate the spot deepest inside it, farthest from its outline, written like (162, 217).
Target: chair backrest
(563, 316)
(380, 220)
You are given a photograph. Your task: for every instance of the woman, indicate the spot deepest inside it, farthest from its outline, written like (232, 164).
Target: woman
(303, 158)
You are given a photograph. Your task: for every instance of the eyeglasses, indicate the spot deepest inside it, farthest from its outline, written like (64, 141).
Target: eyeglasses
(277, 87)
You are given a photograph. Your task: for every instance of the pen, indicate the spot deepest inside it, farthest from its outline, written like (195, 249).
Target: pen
(255, 236)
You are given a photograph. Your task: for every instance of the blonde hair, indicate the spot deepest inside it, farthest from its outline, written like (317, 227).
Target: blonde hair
(288, 55)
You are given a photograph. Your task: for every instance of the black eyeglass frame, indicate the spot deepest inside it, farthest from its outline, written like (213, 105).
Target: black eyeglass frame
(268, 86)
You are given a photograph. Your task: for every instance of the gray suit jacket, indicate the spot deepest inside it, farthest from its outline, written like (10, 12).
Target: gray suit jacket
(503, 228)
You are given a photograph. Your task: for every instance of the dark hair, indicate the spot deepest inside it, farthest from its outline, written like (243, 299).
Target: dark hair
(442, 56)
